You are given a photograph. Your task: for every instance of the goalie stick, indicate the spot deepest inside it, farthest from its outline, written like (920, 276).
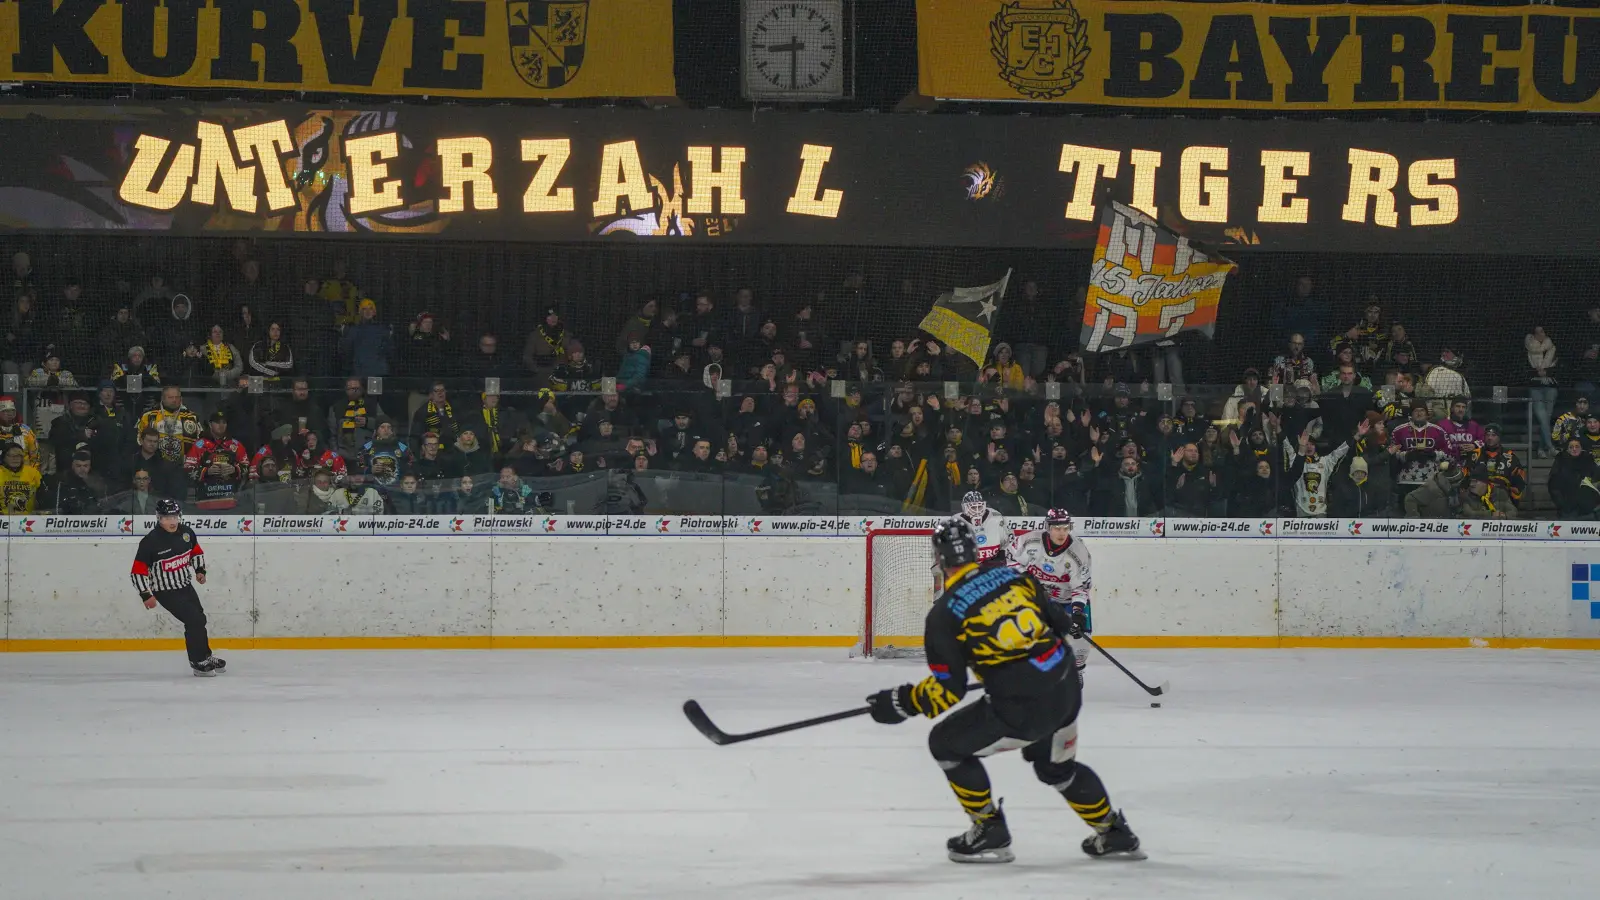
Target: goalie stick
(703, 724)
(1163, 688)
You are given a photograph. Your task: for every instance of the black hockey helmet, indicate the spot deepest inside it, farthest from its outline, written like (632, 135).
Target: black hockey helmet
(168, 508)
(954, 543)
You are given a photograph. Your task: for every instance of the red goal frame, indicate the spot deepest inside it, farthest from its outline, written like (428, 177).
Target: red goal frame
(866, 634)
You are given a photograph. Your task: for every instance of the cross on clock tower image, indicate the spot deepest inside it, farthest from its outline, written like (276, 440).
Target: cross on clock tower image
(794, 49)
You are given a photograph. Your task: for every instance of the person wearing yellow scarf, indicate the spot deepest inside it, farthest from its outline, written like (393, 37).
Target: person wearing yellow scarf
(219, 360)
(438, 415)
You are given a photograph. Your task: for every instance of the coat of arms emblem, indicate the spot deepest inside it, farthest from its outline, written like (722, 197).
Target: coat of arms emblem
(1041, 49)
(546, 38)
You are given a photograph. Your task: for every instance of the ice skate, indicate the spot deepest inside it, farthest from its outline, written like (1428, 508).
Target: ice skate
(1117, 841)
(216, 663)
(204, 669)
(987, 841)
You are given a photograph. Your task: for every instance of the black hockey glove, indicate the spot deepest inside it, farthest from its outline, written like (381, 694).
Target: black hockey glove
(1077, 620)
(891, 706)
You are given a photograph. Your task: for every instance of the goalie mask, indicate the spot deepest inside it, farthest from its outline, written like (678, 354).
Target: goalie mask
(954, 543)
(973, 505)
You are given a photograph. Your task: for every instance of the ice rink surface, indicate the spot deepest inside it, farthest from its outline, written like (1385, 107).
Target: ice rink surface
(1268, 775)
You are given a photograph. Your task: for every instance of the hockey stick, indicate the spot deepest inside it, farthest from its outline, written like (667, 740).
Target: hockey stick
(1152, 691)
(703, 724)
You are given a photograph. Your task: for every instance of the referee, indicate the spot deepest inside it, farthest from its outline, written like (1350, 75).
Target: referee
(169, 559)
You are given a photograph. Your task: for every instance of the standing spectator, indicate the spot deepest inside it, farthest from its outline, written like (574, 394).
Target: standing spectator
(114, 433)
(635, 369)
(353, 423)
(1127, 492)
(1462, 436)
(1301, 312)
(247, 328)
(218, 363)
(178, 426)
(1294, 366)
(1367, 336)
(167, 478)
(174, 340)
(342, 296)
(546, 346)
(1588, 366)
(1445, 380)
(1567, 476)
(1004, 370)
(867, 479)
(218, 463)
(72, 431)
(744, 320)
(12, 430)
(1249, 391)
(1541, 388)
(249, 293)
(1256, 494)
(1439, 496)
(639, 327)
(1420, 446)
(298, 410)
(19, 481)
(1346, 403)
(69, 331)
(1398, 349)
(367, 345)
(136, 364)
(496, 425)
(122, 332)
(428, 350)
(487, 361)
(79, 490)
(1189, 426)
(23, 278)
(437, 415)
(24, 337)
(157, 292)
(1500, 463)
(271, 357)
(1590, 435)
(1344, 355)
(1310, 471)
(809, 340)
(1570, 423)
(1484, 499)
(705, 326)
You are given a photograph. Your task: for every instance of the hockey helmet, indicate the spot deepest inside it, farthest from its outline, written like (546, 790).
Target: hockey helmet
(168, 508)
(954, 543)
(1057, 516)
(973, 505)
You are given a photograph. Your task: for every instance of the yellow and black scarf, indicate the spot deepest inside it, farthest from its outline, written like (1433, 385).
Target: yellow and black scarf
(556, 339)
(436, 414)
(491, 417)
(219, 355)
(855, 454)
(353, 410)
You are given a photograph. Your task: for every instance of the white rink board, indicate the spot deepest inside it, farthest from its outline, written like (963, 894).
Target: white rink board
(656, 581)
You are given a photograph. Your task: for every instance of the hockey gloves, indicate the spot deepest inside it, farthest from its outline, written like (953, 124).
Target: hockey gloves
(891, 706)
(1077, 620)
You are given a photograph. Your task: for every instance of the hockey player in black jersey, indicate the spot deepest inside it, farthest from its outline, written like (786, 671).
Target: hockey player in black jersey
(169, 559)
(1001, 624)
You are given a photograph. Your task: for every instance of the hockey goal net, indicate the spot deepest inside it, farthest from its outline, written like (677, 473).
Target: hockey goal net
(902, 583)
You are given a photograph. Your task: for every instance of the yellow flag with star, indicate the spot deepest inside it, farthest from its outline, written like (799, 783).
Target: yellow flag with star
(963, 318)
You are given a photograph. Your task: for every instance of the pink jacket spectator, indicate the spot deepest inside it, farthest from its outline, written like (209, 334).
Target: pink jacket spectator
(1460, 437)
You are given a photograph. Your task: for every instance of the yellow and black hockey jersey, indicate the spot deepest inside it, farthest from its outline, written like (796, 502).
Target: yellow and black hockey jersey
(18, 489)
(1001, 624)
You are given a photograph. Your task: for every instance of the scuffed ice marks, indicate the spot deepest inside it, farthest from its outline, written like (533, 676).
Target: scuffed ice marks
(470, 859)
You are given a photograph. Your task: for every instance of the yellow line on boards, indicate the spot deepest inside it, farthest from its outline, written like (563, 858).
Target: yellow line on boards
(637, 642)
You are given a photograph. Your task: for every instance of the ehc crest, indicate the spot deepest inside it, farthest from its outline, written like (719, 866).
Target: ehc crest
(1041, 47)
(546, 38)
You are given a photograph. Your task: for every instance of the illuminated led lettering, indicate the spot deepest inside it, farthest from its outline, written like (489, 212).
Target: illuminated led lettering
(1091, 163)
(371, 188)
(1145, 163)
(269, 144)
(148, 151)
(1277, 187)
(806, 201)
(542, 194)
(216, 164)
(456, 173)
(704, 178)
(1446, 199)
(621, 177)
(1202, 197)
(1372, 174)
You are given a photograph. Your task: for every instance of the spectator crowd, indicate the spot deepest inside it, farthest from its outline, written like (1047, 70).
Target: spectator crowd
(261, 399)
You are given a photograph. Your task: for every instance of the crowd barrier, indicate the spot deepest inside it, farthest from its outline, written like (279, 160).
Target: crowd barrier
(475, 581)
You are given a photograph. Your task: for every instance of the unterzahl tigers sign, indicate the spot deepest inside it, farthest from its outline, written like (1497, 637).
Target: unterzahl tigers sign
(1261, 56)
(467, 48)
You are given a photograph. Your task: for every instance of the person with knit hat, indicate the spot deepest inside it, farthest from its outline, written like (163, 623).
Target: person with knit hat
(19, 481)
(367, 345)
(1485, 499)
(546, 346)
(1440, 496)
(13, 430)
(1505, 468)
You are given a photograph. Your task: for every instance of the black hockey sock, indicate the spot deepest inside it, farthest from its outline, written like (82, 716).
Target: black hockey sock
(970, 781)
(1087, 796)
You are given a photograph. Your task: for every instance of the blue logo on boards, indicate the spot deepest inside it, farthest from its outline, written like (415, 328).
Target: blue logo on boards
(1584, 575)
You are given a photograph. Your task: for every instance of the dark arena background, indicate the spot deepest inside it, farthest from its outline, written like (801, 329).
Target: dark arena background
(672, 328)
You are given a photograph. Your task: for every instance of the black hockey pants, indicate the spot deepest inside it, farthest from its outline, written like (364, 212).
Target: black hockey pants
(184, 604)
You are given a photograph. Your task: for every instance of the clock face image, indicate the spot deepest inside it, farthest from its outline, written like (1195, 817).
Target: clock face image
(795, 46)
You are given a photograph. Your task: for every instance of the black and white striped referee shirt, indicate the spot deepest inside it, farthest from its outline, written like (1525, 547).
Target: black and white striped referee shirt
(167, 561)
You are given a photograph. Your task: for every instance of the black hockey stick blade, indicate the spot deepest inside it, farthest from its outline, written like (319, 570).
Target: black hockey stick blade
(703, 724)
(1157, 691)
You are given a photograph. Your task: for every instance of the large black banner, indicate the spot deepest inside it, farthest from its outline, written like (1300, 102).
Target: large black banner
(509, 174)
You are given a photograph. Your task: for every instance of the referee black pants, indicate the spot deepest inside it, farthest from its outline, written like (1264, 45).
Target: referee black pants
(184, 604)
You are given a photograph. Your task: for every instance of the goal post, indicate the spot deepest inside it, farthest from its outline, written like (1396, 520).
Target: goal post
(902, 583)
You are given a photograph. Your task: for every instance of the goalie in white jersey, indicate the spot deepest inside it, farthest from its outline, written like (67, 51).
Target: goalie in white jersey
(993, 532)
(1061, 564)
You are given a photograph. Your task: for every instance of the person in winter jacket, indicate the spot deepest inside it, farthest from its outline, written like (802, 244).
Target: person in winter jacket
(427, 350)
(546, 346)
(271, 357)
(353, 422)
(1127, 492)
(1352, 495)
(317, 498)
(510, 494)
(385, 458)
(1569, 423)
(167, 478)
(1568, 472)
(1590, 435)
(311, 456)
(1483, 499)
(438, 415)
(79, 490)
(367, 345)
(638, 328)
(471, 456)
(1439, 497)
(406, 499)
(1419, 445)
(176, 339)
(1462, 436)
(1189, 483)
(122, 332)
(635, 369)
(358, 497)
(218, 362)
(71, 431)
(1255, 494)
(1504, 466)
